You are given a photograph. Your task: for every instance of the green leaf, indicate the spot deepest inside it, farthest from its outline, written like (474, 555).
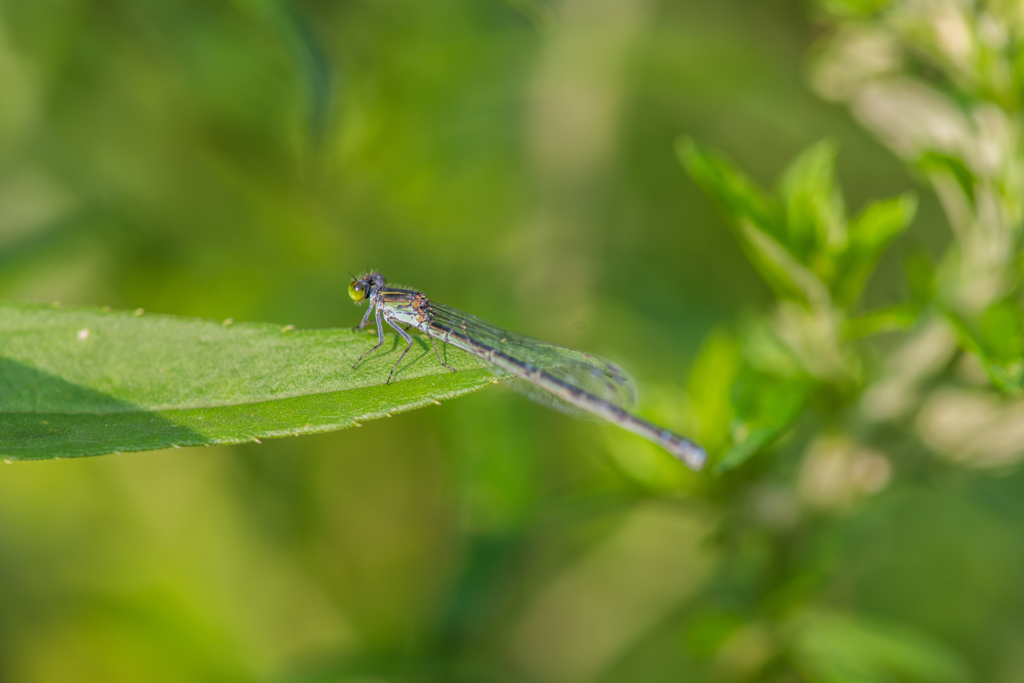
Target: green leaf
(754, 219)
(766, 407)
(1002, 330)
(815, 215)
(750, 444)
(77, 382)
(952, 168)
(736, 195)
(787, 276)
(848, 649)
(996, 337)
(898, 317)
(709, 387)
(870, 233)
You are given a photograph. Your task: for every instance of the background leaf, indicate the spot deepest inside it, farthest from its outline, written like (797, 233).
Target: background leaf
(787, 276)
(996, 337)
(755, 220)
(871, 231)
(86, 382)
(854, 649)
(765, 408)
(900, 316)
(736, 195)
(815, 216)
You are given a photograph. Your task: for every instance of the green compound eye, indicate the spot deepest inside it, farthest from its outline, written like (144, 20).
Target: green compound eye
(356, 291)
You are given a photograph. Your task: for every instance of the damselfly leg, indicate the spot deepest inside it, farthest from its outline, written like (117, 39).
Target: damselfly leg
(380, 335)
(443, 364)
(406, 337)
(381, 319)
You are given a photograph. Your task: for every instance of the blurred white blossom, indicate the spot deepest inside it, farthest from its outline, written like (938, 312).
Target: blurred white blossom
(836, 472)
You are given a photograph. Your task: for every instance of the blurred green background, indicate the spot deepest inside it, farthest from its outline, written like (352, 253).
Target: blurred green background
(514, 159)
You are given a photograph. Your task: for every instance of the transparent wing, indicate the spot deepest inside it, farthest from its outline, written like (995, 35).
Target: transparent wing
(549, 400)
(592, 374)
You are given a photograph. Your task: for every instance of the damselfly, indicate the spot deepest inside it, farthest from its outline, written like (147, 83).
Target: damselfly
(566, 379)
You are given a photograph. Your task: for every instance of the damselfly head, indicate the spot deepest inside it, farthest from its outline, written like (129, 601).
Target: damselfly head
(361, 287)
